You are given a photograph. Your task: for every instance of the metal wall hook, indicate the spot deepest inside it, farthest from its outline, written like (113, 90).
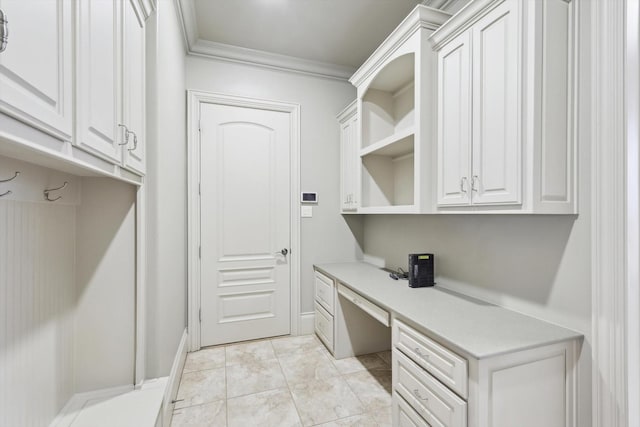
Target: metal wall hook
(12, 178)
(46, 192)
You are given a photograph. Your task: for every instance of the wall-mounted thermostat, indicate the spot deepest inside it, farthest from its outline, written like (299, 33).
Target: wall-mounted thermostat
(309, 197)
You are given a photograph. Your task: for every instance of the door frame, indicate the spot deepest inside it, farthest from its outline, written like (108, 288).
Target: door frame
(194, 101)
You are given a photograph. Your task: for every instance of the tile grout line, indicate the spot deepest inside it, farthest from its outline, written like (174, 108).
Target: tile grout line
(286, 381)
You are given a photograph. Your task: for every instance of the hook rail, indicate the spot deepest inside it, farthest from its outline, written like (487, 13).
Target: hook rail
(46, 192)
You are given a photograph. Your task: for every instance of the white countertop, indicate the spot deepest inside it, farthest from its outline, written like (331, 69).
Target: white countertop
(475, 327)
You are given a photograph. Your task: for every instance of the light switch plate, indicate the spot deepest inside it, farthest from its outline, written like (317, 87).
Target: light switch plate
(306, 211)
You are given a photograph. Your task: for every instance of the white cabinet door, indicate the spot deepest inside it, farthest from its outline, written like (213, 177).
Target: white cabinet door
(36, 67)
(496, 172)
(454, 122)
(349, 158)
(98, 78)
(134, 88)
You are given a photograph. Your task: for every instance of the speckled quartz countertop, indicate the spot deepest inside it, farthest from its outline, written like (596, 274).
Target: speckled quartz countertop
(475, 327)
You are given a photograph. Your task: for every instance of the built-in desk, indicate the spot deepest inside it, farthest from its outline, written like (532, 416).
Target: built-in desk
(457, 361)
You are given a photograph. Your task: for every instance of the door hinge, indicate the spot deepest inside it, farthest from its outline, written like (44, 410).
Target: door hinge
(199, 126)
(199, 189)
(200, 252)
(200, 315)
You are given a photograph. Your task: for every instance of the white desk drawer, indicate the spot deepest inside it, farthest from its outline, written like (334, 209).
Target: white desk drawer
(380, 314)
(324, 288)
(441, 362)
(438, 405)
(404, 415)
(324, 326)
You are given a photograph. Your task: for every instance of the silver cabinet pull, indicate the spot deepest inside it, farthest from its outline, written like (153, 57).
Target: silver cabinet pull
(126, 134)
(463, 184)
(416, 393)
(473, 183)
(135, 142)
(422, 355)
(4, 31)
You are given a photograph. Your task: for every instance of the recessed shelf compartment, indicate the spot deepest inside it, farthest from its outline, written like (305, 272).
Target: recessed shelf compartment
(388, 175)
(388, 106)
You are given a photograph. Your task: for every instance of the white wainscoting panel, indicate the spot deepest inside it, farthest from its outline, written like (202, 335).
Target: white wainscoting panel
(37, 271)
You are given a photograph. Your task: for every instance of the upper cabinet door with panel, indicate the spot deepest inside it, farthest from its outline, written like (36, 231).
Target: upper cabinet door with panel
(98, 78)
(496, 170)
(134, 88)
(36, 66)
(521, 73)
(454, 122)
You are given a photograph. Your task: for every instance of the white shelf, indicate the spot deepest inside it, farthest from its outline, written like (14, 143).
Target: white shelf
(396, 145)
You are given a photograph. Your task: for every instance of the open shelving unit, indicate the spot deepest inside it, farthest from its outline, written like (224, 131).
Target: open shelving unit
(396, 90)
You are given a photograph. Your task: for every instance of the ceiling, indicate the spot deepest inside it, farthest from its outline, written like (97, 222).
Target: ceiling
(327, 37)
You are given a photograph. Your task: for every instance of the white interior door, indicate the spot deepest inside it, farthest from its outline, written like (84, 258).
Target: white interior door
(245, 223)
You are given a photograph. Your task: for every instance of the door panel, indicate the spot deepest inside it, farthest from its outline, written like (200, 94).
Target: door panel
(35, 68)
(497, 146)
(454, 130)
(245, 223)
(98, 78)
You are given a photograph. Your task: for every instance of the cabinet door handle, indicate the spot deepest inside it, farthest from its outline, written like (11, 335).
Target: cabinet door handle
(419, 353)
(126, 134)
(473, 182)
(135, 142)
(416, 393)
(463, 184)
(4, 31)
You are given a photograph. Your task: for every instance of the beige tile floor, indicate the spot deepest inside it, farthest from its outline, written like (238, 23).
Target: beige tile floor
(280, 382)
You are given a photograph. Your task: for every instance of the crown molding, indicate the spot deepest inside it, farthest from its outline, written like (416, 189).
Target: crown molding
(205, 48)
(270, 60)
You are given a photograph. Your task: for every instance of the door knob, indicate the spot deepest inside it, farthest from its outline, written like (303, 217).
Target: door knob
(283, 252)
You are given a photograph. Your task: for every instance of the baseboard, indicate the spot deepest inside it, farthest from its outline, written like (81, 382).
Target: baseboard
(174, 380)
(307, 323)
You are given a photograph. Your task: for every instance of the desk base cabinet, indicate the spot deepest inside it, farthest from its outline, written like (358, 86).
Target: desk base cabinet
(529, 388)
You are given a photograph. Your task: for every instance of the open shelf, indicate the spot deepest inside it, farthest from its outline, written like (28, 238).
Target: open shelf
(389, 103)
(396, 145)
(388, 175)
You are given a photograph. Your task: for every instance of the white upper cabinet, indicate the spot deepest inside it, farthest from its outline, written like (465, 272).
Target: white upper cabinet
(349, 128)
(98, 81)
(36, 66)
(134, 88)
(505, 108)
(396, 90)
(111, 82)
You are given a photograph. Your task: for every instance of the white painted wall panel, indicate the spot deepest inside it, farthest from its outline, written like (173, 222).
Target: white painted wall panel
(37, 264)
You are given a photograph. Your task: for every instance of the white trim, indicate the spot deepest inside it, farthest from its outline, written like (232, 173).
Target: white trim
(194, 100)
(632, 92)
(307, 323)
(270, 60)
(171, 390)
(608, 245)
(199, 47)
(141, 287)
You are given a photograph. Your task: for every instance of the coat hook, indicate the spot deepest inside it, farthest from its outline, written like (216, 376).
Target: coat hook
(10, 179)
(46, 192)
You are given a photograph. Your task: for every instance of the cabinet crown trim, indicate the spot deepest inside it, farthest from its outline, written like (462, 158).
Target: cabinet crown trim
(461, 21)
(420, 17)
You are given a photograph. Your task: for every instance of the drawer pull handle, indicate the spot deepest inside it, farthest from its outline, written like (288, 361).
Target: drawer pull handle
(419, 353)
(416, 392)
(355, 301)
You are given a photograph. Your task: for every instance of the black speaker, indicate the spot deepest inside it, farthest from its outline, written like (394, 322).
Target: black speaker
(421, 271)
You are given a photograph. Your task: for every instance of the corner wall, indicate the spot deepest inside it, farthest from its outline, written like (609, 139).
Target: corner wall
(326, 237)
(166, 184)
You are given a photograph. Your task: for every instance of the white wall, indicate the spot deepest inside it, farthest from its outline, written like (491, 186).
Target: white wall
(37, 247)
(166, 184)
(105, 285)
(326, 237)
